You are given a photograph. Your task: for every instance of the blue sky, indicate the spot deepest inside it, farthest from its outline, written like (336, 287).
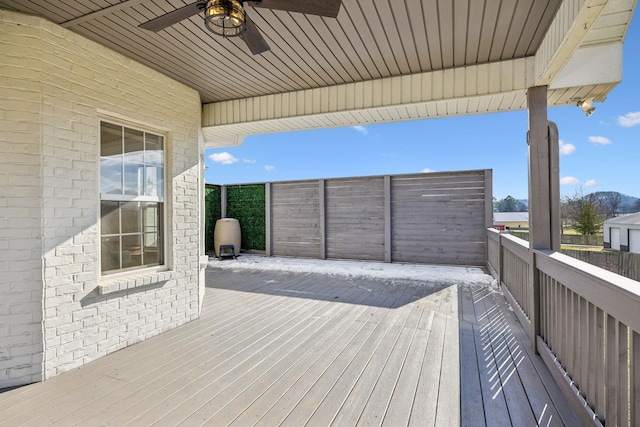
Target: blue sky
(598, 153)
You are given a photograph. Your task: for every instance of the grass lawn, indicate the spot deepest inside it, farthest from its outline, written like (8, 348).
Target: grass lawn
(583, 248)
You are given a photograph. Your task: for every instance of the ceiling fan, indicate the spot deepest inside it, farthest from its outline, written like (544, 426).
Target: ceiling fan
(227, 18)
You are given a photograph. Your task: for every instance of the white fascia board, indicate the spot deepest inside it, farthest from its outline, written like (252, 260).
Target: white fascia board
(591, 65)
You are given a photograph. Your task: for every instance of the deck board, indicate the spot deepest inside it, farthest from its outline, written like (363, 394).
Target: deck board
(276, 348)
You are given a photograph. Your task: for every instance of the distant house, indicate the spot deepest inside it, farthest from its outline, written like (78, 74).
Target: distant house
(622, 233)
(511, 220)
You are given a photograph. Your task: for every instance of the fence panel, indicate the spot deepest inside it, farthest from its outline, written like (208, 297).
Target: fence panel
(295, 219)
(439, 218)
(355, 218)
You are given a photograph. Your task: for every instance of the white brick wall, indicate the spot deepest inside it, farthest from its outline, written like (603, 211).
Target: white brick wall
(56, 313)
(21, 286)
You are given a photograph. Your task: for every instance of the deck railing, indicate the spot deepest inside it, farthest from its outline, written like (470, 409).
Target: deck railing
(583, 320)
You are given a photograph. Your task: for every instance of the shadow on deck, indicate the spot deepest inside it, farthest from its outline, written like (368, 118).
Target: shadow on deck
(275, 348)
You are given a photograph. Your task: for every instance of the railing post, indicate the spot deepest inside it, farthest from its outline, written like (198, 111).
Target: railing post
(544, 193)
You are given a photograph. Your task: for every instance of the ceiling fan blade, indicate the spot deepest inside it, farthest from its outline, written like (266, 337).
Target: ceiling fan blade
(329, 8)
(254, 40)
(168, 19)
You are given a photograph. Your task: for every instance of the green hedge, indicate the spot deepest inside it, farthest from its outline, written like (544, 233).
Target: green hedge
(212, 201)
(246, 203)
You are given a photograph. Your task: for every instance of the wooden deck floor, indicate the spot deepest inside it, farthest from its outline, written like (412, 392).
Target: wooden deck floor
(296, 349)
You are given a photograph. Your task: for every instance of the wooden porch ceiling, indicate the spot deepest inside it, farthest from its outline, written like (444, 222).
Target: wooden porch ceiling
(276, 348)
(468, 56)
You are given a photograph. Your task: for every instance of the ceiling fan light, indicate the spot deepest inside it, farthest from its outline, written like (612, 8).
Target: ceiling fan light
(225, 18)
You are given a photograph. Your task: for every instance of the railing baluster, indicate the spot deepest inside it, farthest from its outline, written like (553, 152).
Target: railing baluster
(612, 362)
(593, 353)
(576, 362)
(600, 362)
(584, 347)
(544, 316)
(623, 373)
(567, 328)
(634, 395)
(557, 303)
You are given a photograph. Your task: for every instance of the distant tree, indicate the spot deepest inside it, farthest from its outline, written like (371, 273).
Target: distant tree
(522, 206)
(585, 212)
(636, 206)
(610, 202)
(508, 204)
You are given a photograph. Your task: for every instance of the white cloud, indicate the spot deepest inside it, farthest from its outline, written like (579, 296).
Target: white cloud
(590, 183)
(363, 130)
(269, 168)
(427, 170)
(224, 158)
(569, 180)
(602, 140)
(566, 148)
(629, 119)
(248, 160)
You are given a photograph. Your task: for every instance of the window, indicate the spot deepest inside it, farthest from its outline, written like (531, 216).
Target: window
(131, 198)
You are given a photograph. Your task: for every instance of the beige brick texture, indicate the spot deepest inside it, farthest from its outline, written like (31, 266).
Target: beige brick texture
(56, 311)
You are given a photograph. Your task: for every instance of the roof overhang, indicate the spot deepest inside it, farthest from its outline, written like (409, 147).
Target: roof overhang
(580, 57)
(375, 62)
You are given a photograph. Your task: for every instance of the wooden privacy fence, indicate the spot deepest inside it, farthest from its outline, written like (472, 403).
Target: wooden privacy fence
(584, 322)
(623, 263)
(568, 239)
(437, 218)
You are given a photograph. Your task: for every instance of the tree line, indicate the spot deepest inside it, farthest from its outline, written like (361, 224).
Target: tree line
(584, 212)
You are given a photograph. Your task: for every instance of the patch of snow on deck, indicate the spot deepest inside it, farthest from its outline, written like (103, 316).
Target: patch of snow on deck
(380, 270)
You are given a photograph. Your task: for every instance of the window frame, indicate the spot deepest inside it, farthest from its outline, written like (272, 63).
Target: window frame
(163, 234)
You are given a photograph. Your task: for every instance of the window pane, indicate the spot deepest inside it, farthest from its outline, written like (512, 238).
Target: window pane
(133, 146)
(110, 140)
(131, 217)
(110, 253)
(152, 237)
(133, 179)
(110, 175)
(110, 158)
(154, 182)
(109, 218)
(151, 249)
(153, 150)
(131, 251)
